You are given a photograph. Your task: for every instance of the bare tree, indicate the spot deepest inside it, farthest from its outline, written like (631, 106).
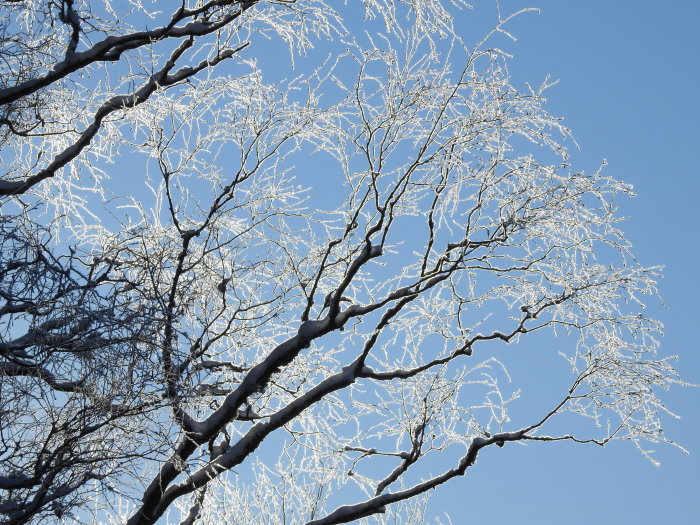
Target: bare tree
(223, 289)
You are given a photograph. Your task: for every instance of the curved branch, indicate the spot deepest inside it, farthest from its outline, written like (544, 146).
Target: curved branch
(158, 80)
(377, 505)
(111, 48)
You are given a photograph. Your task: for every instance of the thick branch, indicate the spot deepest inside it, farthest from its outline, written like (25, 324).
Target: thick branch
(111, 48)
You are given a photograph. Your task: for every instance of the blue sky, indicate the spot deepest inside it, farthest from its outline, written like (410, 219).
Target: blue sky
(628, 82)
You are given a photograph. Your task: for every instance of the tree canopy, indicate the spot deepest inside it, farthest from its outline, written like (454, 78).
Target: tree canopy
(263, 258)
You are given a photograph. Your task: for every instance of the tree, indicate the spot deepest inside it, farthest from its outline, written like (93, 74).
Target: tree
(192, 323)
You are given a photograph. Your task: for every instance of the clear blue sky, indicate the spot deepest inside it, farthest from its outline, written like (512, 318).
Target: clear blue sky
(629, 74)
